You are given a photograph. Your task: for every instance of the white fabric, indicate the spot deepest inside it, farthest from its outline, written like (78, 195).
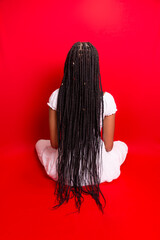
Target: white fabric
(110, 165)
(53, 99)
(111, 161)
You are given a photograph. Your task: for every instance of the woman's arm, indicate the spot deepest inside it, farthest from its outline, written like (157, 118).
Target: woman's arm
(108, 131)
(53, 128)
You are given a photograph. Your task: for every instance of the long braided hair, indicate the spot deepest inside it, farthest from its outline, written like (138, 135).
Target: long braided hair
(79, 112)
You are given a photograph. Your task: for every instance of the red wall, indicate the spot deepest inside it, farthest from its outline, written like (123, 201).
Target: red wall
(35, 37)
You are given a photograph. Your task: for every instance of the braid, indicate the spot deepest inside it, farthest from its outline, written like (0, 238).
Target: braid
(79, 109)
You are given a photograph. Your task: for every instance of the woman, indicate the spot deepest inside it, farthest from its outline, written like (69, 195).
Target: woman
(75, 156)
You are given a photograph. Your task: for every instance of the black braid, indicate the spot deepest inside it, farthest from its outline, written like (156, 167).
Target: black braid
(79, 105)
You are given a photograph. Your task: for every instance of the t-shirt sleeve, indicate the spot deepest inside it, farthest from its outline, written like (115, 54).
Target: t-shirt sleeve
(52, 102)
(110, 105)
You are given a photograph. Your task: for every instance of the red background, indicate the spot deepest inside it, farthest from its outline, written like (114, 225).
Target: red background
(35, 37)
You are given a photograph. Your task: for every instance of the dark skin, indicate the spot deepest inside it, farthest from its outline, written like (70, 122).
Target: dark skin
(108, 130)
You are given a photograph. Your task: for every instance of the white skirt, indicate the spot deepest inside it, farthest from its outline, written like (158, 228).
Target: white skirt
(111, 161)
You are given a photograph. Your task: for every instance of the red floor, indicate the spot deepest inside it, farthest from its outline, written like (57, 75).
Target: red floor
(132, 210)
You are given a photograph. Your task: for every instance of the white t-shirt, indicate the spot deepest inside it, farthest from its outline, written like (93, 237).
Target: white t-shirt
(108, 100)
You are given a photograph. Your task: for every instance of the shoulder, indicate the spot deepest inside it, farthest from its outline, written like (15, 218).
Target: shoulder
(54, 95)
(110, 106)
(55, 92)
(108, 96)
(52, 102)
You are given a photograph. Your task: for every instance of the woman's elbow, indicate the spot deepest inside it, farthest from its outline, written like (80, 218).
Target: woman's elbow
(54, 145)
(108, 148)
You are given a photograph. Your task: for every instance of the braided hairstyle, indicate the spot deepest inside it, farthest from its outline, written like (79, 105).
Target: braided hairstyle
(79, 112)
